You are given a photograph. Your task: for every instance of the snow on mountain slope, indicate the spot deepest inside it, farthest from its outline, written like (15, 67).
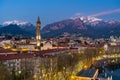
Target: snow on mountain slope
(19, 23)
(88, 19)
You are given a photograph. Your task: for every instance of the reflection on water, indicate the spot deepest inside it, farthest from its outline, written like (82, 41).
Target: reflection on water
(111, 71)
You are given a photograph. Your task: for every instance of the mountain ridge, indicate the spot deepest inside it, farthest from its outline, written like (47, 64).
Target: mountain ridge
(17, 29)
(83, 26)
(79, 26)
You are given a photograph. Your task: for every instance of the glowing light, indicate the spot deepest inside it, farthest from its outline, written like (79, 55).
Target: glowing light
(85, 67)
(72, 77)
(7, 47)
(36, 50)
(35, 77)
(38, 44)
(14, 49)
(24, 49)
(19, 72)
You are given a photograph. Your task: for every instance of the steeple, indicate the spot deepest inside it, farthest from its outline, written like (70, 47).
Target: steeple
(38, 34)
(38, 21)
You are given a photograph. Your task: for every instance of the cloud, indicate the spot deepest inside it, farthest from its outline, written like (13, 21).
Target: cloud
(106, 13)
(76, 15)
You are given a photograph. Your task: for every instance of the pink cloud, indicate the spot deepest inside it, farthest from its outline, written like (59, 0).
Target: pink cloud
(106, 13)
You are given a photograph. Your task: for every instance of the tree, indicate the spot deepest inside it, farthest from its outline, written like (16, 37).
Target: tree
(4, 73)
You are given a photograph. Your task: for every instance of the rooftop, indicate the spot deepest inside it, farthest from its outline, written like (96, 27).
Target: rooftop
(44, 53)
(87, 73)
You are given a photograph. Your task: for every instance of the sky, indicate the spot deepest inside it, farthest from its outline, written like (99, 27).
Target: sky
(56, 10)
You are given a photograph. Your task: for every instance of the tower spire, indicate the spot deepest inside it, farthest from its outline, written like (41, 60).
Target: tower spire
(38, 33)
(38, 21)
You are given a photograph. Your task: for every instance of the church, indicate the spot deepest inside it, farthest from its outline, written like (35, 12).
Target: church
(41, 45)
(34, 45)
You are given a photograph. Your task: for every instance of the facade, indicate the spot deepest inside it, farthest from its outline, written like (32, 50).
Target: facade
(26, 47)
(46, 45)
(29, 64)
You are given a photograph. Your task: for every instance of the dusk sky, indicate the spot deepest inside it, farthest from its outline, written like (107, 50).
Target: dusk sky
(55, 10)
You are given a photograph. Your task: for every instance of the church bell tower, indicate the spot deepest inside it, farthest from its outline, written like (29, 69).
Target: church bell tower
(38, 34)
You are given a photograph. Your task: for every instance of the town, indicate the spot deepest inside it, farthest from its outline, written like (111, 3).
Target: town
(63, 58)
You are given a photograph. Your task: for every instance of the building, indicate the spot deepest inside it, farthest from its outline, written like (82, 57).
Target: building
(36, 63)
(87, 74)
(38, 34)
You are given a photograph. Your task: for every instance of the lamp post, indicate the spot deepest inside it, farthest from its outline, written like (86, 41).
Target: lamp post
(35, 77)
(19, 74)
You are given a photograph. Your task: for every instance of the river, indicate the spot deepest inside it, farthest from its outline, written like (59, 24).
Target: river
(112, 71)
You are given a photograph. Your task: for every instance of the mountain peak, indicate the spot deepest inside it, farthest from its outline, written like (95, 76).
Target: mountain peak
(87, 18)
(15, 22)
(83, 26)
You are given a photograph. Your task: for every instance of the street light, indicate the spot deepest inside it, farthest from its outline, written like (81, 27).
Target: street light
(35, 77)
(85, 67)
(72, 77)
(19, 74)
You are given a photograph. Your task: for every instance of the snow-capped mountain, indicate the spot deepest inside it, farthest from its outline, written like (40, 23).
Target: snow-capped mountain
(83, 26)
(87, 18)
(90, 20)
(79, 26)
(17, 28)
(16, 22)
(22, 24)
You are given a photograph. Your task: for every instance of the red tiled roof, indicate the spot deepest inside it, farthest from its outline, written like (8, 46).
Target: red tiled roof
(5, 50)
(15, 56)
(30, 55)
(25, 44)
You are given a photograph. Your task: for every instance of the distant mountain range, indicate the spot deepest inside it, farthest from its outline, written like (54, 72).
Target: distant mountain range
(17, 29)
(75, 27)
(84, 27)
